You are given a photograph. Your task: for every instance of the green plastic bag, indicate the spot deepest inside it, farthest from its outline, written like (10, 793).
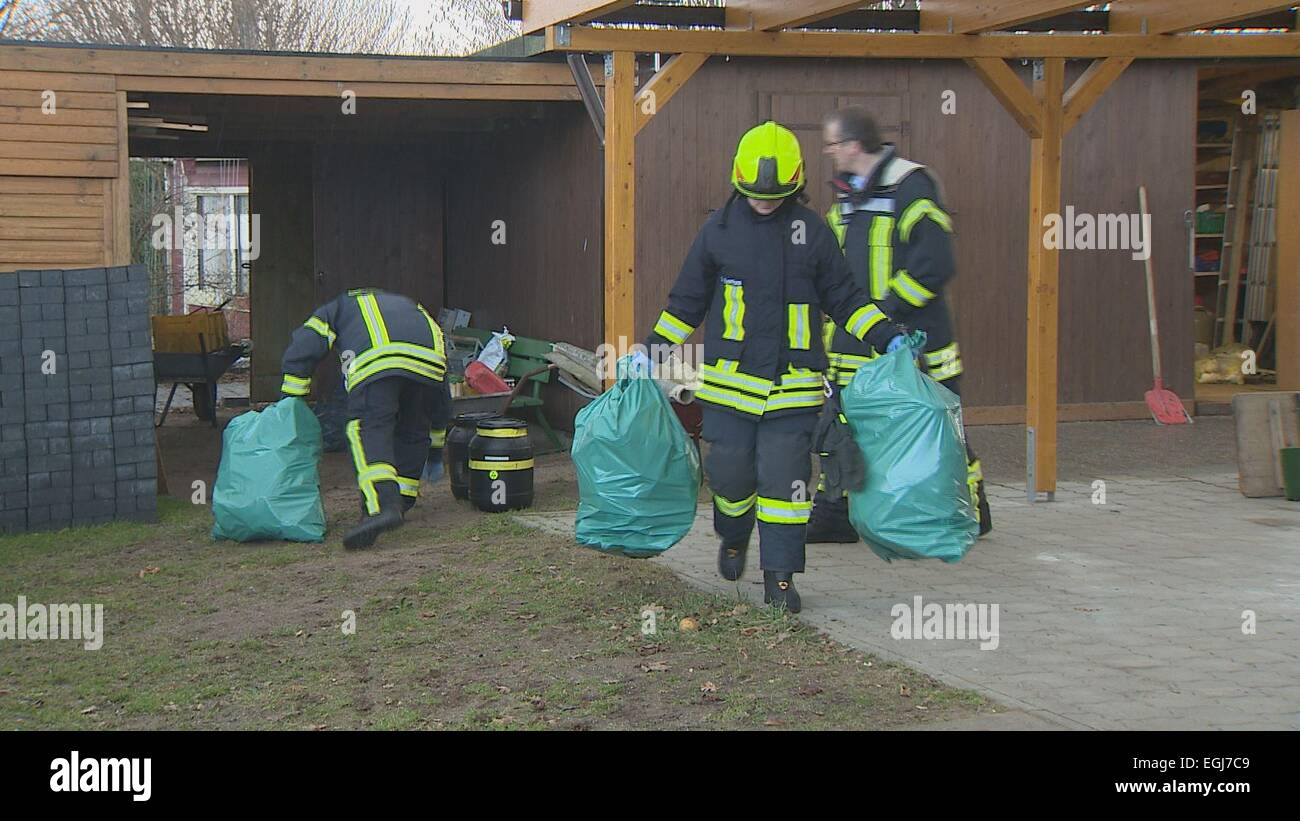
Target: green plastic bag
(916, 503)
(638, 471)
(267, 484)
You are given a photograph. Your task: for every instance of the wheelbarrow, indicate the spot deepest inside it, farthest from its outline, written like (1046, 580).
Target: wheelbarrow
(200, 372)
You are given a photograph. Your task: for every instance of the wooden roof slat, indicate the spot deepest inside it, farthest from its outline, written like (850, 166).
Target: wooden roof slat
(538, 14)
(970, 17)
(1172, 16)
(889, 45)
(773, 15)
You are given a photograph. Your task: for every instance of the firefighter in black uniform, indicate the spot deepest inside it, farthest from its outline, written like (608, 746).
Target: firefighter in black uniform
(762, 271)
(394, 360)
(889, 219)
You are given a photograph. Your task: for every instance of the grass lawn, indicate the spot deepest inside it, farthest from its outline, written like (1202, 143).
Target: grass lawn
(462, 620)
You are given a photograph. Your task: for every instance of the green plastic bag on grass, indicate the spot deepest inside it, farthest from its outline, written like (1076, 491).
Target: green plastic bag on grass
(267, 483)
(915, 503)
(638, 471)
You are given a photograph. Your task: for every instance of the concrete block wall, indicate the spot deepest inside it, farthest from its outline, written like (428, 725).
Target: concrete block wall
(76, 398)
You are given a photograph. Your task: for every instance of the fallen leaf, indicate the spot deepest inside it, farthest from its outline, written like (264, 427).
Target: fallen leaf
(708, 687)
(299, 634)
(319, 727)
(688, 625)
(502, 689)
(428, 614)
(649, 649)
(655, 667)
(740, 610)
(904, 691)
(89, 710)
(919, 707)
(810, 690)
(750, 631)
(774, 722)
(149, 571)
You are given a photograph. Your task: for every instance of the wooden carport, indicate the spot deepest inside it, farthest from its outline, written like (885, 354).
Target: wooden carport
(984, 33)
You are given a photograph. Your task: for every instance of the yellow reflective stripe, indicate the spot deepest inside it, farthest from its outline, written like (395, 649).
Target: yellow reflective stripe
(730, 399)
(947, 371)
(800, 399)
(374, 319)
(733, 311)
(913, 292)
(863, 320)
(293, 386)
(391, 363)
(778, 511)
(918, 211)
(522, 464)
(420, 352)
(852, 360)
(801, 378)
(437, 438)
(321, 327)
(734, 509)
(672, 328)
(408, 487)
(503, 433)
(798, 327)
(882, 255)
(838, 228)
(941, 355)
(828, 332)
(439, 346)
(353, 430)
(724, 373)
(975, 472)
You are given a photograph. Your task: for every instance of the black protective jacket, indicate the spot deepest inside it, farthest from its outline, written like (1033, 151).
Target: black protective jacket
(760, 285)
(377, 334)
(897, 239)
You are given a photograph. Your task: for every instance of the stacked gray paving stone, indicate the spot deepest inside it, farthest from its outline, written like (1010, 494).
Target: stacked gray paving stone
(77, 444)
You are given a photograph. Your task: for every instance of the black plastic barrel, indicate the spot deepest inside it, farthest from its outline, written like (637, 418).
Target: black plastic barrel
(456, 453)
(501, 466)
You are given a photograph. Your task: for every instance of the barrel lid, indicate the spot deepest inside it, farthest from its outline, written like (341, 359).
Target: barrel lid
(501, 422)
(474, 416)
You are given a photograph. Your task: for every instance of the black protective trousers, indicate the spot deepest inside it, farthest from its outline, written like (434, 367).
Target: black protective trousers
(759, 469)
(393, 421)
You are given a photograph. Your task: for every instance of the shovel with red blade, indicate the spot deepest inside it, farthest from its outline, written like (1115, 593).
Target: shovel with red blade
(1166, 408)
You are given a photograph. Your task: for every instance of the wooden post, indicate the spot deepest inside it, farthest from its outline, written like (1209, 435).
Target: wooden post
(1044, 262)
(620, 201)
(1287, 304)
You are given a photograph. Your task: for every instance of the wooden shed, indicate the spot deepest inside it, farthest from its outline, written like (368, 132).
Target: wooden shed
(1021, 108)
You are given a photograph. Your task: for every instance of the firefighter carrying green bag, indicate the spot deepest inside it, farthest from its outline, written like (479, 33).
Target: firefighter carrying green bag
(638, 472)
(916, 502)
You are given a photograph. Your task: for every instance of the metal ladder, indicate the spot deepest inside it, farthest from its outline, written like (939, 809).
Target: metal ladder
(1263, 228)
(1239, 172)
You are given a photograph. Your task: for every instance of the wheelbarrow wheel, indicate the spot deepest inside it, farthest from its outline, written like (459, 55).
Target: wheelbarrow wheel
(204, 401)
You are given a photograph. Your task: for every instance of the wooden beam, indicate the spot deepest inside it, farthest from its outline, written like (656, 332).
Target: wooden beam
(1087, 90)
(1170, 16)
(1041, 362)
(119, 193)
(968, 17)
(667, 82)
(620, 202)
(538, 14)
(773, 15)
(1287, 300)
(1007, 87)
(206, 64)
(910, 45)
(142, 84)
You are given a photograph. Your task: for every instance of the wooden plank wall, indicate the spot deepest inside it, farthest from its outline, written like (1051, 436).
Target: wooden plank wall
(544, 181)
(62, 151)
(981, 156)
(282, 287)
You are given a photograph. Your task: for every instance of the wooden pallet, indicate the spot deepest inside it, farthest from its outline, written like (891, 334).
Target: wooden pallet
(1266, 423)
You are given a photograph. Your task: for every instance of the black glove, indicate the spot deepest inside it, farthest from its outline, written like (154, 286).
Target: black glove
(842, 462)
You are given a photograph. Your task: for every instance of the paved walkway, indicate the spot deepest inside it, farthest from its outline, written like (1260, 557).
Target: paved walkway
(1123, 615)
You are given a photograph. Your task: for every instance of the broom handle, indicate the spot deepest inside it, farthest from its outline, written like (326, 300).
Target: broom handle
(1151, 290)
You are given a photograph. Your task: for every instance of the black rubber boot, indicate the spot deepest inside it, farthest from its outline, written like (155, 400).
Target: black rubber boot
(986, 517)
(778, 591)
(408, 502)
(731, 559)
(829, 524)
(389, 517)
